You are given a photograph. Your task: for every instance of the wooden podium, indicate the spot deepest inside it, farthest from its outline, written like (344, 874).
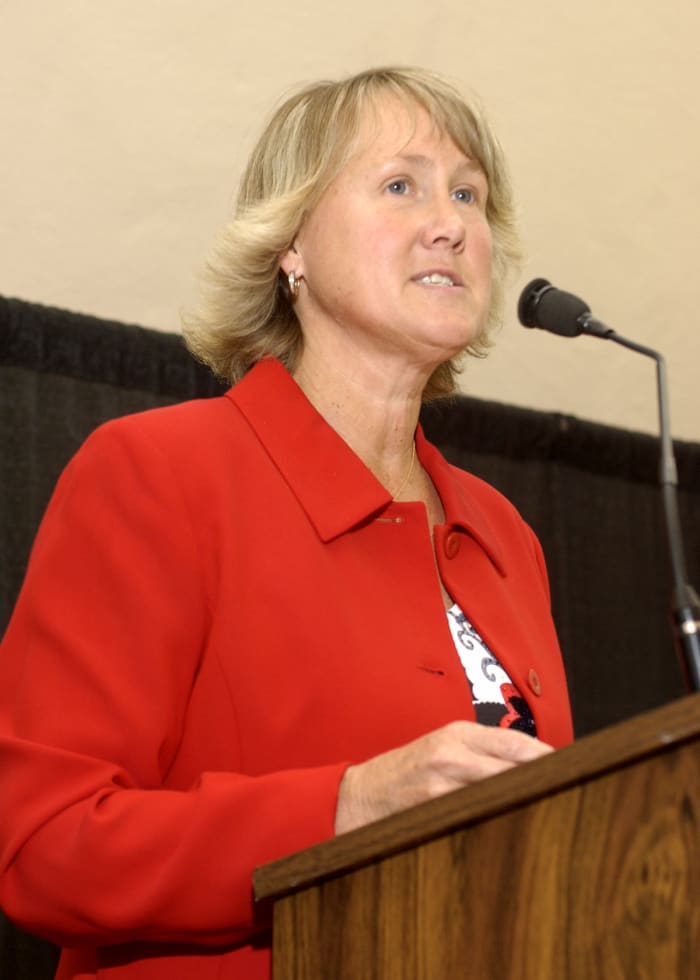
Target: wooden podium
(584, 865)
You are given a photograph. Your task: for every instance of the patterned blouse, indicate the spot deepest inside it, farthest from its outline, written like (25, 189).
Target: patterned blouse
(497, 701)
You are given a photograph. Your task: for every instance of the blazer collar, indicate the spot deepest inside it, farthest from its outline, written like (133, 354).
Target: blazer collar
(332, 484)
(465, 500)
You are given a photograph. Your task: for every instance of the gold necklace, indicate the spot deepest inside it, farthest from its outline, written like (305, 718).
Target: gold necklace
(395, 496)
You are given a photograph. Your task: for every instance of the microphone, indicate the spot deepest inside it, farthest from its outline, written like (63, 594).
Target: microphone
(543, 305)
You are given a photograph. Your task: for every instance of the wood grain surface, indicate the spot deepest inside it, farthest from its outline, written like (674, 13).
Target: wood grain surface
(583, 865)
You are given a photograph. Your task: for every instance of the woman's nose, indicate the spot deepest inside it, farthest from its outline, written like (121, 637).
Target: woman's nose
(444, 225)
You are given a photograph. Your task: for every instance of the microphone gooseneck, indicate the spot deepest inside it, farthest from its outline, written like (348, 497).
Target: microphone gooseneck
(543, 305)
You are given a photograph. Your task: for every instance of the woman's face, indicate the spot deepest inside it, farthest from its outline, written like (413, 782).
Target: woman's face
(396, 256)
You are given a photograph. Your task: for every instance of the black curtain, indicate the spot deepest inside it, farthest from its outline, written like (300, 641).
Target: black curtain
(589, 491)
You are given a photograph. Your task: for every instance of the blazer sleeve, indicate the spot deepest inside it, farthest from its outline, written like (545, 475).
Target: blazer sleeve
(96, 669)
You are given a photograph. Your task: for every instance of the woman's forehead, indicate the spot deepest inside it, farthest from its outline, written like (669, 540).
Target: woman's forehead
(390, 126)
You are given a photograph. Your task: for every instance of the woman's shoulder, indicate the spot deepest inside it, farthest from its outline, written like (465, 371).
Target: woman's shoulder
(466, 489)
(492, 504)
(178, 417)
(186, 440)
(175, 429)
(481, 489)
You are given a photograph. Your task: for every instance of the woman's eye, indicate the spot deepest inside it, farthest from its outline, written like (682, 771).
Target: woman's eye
(465, 194)
(398, 187)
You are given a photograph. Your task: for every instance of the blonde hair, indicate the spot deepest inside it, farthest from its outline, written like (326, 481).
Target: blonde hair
(246, 311)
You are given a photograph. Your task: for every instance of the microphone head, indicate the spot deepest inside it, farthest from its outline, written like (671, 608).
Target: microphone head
(542, 305)
(529, 300)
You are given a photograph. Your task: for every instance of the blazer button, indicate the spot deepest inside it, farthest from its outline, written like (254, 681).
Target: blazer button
(534, 683)
(452, 544)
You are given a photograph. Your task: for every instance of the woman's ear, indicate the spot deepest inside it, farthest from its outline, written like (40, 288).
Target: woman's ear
(290, 261)
(291, 270)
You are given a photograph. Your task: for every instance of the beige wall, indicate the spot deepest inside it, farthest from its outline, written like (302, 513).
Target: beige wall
(124, 125)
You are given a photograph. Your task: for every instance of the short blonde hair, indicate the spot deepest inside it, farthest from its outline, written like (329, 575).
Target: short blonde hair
(246, 311)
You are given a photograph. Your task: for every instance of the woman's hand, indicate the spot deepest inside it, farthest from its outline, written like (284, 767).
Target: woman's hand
(462, 752)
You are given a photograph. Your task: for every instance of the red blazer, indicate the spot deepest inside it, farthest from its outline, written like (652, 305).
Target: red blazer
(223, 609)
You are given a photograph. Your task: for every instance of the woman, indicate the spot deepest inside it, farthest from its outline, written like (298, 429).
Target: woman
(255, 621)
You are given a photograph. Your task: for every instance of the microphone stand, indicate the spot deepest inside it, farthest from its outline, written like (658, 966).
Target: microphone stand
(685, 605)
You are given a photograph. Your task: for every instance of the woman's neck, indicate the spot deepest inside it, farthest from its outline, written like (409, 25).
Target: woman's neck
(374, 413)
